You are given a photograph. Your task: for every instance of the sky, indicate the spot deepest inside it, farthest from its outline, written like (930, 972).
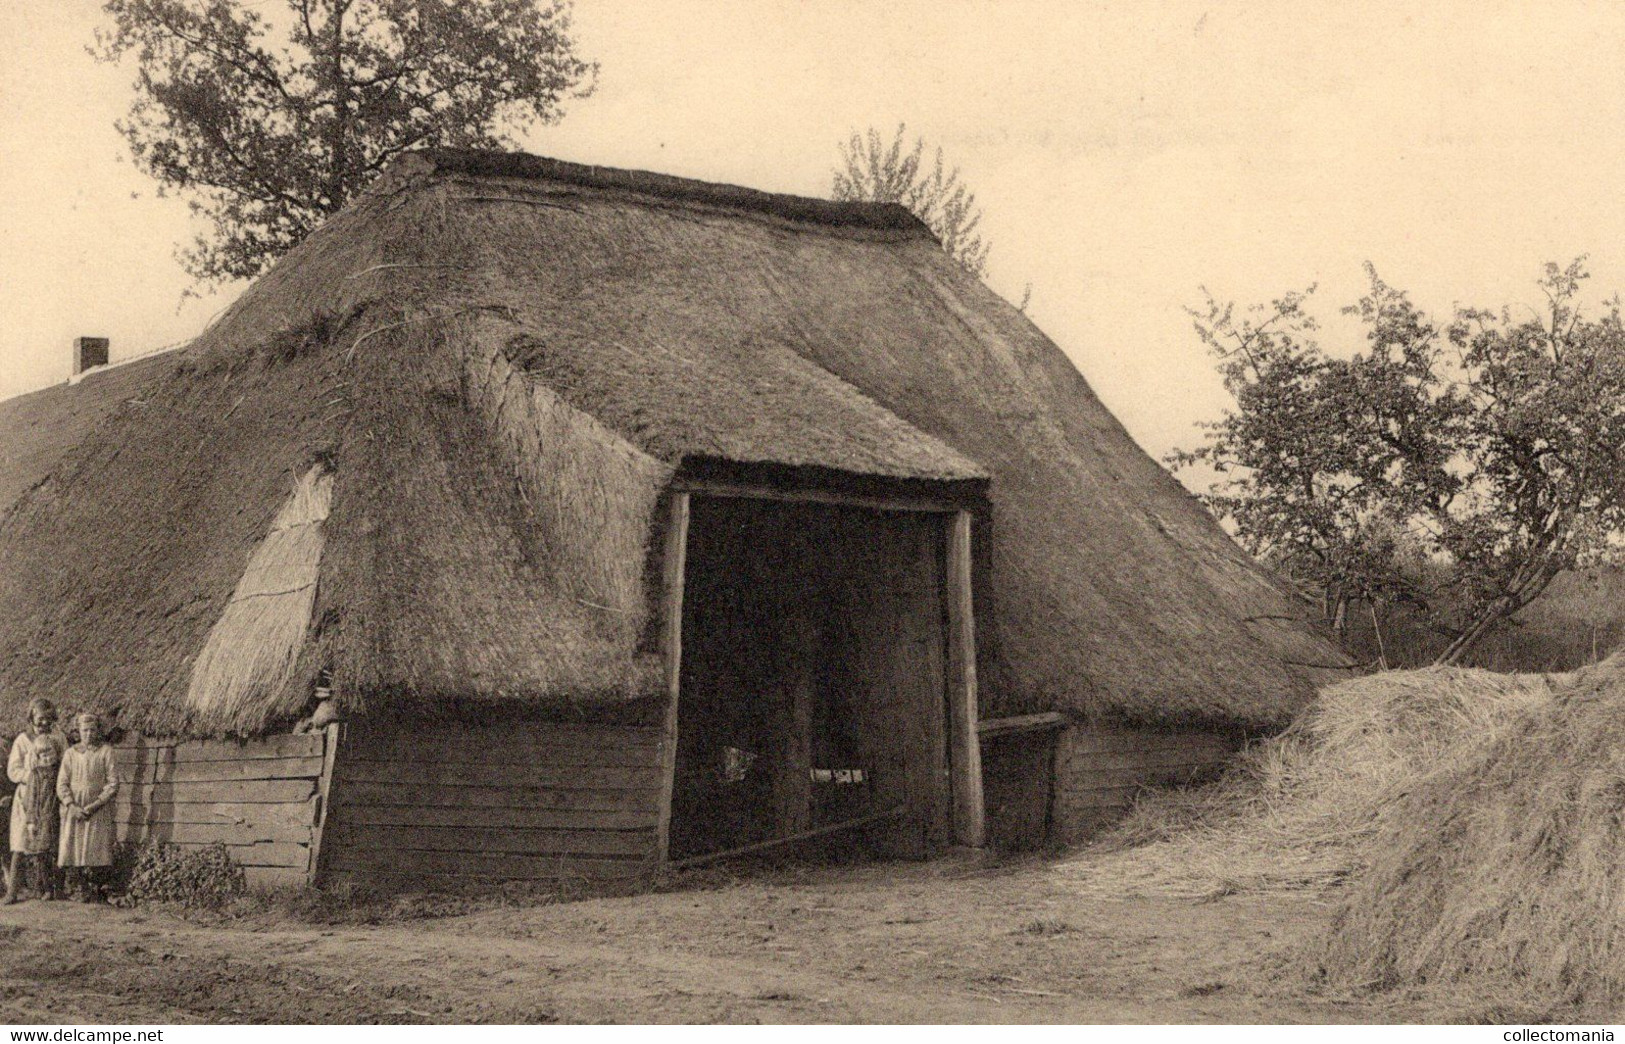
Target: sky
(1126, 155)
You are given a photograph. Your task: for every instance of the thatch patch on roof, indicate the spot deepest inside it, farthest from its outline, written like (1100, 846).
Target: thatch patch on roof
(251, 652)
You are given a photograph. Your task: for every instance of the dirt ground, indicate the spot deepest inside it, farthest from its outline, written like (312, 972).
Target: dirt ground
(954, 940)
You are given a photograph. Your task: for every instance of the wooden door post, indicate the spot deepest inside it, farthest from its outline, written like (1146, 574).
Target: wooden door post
(965, 744)
(676, 563)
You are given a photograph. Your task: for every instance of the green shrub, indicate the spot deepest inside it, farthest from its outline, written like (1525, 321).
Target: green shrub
(196, 877)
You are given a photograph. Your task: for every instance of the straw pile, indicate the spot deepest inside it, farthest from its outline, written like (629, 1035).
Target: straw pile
(1301, 810)
(1501, 866)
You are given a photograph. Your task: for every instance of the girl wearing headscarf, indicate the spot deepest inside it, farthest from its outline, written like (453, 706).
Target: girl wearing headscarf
(36, 756)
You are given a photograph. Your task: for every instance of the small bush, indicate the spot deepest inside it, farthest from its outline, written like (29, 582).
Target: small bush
(307, 337)
(194, 877)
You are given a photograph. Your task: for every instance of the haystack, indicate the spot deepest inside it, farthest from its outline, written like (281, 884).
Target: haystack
(1503, 864)
(1301, 810)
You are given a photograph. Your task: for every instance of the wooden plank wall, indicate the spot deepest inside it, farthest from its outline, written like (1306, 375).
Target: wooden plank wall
(1099, 770)
(1018, 769)
(449, 805)
(259, 798)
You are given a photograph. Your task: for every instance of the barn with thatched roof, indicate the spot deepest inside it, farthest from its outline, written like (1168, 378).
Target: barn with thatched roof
(621, 519)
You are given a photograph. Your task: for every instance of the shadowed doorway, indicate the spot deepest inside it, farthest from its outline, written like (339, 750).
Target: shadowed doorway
(812, 681)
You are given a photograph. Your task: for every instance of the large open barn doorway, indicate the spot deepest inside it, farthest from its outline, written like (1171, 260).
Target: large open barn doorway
(813, 677)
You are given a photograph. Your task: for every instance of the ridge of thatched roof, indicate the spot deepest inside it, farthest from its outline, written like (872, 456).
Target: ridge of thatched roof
(504, 360)
(653, 186)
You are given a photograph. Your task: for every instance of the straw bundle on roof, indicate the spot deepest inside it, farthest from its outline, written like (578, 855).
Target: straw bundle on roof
(1501, 865)
(251, 652)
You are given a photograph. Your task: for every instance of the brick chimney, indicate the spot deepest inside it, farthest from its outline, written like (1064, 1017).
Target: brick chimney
(89, 352)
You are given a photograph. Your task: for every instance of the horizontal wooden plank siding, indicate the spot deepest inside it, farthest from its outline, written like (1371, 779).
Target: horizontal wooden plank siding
(291, 814)
(256, 797)
(1098, 771)
(449, 804)
(561, 745)
(539, 773)
(408, 795)
(138, 748)
(229, 771)
(258, 791)
(574, 843)
(261, 878)
(498, 818)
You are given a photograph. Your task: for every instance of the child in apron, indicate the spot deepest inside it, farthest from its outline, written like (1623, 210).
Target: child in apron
(36, 757)
(86, 787)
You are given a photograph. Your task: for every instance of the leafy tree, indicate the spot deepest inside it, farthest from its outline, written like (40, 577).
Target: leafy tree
(1457, 469)
(874, 172)
(272, 121)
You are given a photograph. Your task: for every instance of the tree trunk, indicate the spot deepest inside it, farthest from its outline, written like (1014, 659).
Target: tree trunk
(1531, 583)
(1376, 629)
(1340, 615)
(338, 158)
(1465, 641)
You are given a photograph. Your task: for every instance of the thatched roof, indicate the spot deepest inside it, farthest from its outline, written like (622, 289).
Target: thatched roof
(41, 427)
(505, 360)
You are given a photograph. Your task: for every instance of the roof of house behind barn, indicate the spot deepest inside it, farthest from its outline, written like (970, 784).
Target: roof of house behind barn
(656, 324)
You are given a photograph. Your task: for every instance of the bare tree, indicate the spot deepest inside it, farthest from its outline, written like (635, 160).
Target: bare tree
(875, 172)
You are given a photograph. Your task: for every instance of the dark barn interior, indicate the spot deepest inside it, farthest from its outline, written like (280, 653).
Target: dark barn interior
(813, 684)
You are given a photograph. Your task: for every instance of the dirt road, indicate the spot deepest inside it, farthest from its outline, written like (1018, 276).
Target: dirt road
(948, 941)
